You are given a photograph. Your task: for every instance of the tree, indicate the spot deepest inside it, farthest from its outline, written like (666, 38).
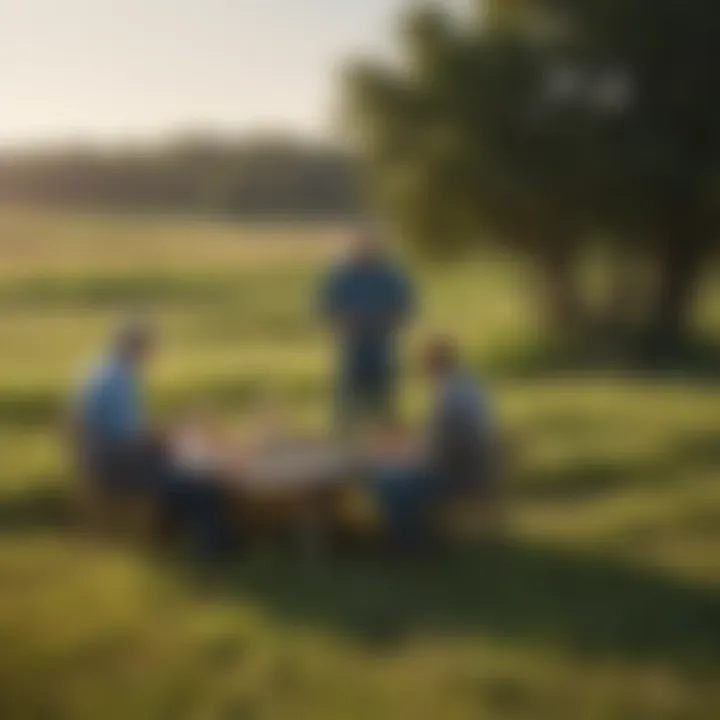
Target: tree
(553, 126)
(671, 51)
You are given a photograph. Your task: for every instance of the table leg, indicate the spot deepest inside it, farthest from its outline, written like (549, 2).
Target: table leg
(313, 528)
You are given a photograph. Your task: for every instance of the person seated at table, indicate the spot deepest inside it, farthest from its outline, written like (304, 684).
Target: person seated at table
(456, 457)
(121, 456)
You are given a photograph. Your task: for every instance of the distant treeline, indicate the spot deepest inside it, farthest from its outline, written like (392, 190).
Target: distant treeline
(260, 177)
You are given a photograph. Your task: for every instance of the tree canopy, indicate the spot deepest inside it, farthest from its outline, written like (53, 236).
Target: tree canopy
(552, 126)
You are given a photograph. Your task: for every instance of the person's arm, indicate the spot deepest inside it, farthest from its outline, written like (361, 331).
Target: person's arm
(406, 298)
(403, 300)
(129, 414)
(333, 306)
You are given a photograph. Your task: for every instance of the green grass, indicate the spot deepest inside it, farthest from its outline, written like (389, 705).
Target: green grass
(603, 604)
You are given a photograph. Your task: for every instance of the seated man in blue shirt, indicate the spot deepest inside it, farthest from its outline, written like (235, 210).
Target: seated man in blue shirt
(456, 459)
(367, 300)
(117, 449)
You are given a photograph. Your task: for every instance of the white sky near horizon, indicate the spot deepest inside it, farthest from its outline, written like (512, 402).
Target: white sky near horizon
(111, 69)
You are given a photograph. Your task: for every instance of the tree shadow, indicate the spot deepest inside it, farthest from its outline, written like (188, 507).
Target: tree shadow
(700, 448)
(23, 408)
(587, 604)
(595, 477)
(45, 507)
(39, 407)
(111, 291)
(588, 479)
(697, 360)
(577, 601)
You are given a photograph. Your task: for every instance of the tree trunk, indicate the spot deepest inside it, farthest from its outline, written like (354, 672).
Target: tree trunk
(626, 301)
(563, 300)
(683, 253)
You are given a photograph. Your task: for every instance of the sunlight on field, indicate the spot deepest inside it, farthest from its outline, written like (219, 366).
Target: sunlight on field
(147, 243)
(604, 603)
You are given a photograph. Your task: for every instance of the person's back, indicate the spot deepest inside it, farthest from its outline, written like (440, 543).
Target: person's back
(459, 432)
(108, 408)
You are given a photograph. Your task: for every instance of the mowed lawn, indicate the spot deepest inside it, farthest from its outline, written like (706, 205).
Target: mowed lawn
(602, 603)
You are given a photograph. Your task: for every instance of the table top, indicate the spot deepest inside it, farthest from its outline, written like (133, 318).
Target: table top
(290, 465)
(300, 465)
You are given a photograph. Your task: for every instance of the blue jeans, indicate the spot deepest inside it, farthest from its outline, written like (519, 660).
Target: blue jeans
(190, 497)
(406, 495)
(198, 503)
(366, 381)
(360, 402)
(360, 398)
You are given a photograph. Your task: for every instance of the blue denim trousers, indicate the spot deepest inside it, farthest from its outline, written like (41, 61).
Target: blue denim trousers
(366, 383)
(197, 502)
(406, 496)
(357, 402)
(188, 496)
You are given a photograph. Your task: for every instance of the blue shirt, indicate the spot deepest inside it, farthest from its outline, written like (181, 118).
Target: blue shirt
(460, 428)
(373, 296)
(459, 403)
(369, 301)
(110, 404)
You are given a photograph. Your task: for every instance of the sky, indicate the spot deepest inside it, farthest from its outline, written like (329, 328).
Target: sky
(110, 69)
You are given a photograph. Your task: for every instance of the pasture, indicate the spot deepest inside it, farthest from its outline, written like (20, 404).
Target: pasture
(603, 603)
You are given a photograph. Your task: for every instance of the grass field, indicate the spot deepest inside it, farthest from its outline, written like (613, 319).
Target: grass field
(603, 603)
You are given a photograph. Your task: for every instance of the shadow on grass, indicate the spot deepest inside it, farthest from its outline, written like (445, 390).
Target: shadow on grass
(523, 592)
(45, 507)
(24, 408)
(47, 408)
(591, 478)
(595, 477)
(697, 361)
(527, 592)
(234, 288)
(110, 292)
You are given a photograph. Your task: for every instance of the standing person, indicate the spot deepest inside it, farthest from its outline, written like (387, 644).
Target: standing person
(119, 452)
(367, 300)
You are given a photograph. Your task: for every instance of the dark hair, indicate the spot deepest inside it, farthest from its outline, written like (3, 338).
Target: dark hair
(441, 352)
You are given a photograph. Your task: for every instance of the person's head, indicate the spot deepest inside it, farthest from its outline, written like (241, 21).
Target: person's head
(366, 247)
(441, 356)
(135, 340)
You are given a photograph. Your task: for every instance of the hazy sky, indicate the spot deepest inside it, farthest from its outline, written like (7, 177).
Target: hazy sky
(107, 68)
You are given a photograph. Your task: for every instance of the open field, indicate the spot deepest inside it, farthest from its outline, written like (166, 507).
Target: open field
(604, 603)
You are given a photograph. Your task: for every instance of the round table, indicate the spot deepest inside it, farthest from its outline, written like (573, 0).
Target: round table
(298, 488)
